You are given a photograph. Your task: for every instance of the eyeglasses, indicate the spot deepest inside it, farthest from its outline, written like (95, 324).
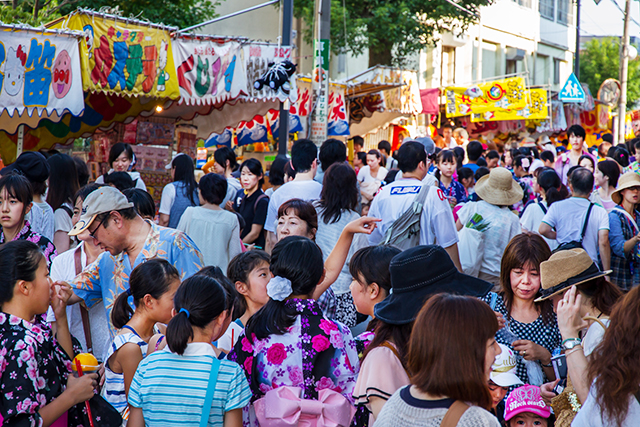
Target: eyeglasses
(93, 233)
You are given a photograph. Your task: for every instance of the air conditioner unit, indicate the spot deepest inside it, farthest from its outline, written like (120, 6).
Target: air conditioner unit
(514, 54)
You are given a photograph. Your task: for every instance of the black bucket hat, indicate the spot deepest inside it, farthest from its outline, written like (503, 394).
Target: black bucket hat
(418, 273)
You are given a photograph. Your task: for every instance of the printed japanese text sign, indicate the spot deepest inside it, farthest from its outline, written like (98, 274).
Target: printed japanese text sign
(39, 72)
(536, 109)
(209, 72)
(505, 94)
(121, 57)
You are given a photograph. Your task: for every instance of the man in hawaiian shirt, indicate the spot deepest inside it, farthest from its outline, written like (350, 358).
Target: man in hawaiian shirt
(128, 240)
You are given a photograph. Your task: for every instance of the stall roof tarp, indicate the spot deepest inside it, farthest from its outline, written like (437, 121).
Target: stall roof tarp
(398, 87)
(102, 111)
(124, 56)
(40, 77)
(380, 95)
(373, 80)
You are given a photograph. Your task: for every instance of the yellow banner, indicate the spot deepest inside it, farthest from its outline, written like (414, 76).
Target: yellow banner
(122, 57)
(538, 109)
(505, 94)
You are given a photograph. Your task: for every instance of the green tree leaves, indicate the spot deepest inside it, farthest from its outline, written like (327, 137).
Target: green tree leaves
(392, 30)
(600, 60)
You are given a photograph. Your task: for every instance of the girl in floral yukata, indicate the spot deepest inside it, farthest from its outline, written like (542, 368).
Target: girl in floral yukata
(35, 386)
(15, 203)
(289, 342)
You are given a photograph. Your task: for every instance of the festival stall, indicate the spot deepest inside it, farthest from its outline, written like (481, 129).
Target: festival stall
(40, 82)
(381, 96)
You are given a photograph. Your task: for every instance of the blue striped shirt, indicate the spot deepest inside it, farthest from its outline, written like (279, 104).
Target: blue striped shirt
(171, 388)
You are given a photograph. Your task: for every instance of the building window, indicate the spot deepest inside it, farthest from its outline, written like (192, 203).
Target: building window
(547, 9)
(512, 66)
(448, 66)
(565, 9)
(525, 3)
(556, 71)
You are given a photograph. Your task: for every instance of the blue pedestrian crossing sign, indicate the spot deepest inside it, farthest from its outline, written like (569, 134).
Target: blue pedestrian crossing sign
(572, 90)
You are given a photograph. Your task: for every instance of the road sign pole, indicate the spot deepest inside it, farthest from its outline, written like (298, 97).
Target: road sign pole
(287, 26)
(624, 63)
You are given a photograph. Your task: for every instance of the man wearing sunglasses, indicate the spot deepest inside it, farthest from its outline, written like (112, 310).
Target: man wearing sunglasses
(128, 240)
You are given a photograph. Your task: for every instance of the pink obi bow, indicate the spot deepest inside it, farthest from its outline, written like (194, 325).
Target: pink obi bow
(282, 407)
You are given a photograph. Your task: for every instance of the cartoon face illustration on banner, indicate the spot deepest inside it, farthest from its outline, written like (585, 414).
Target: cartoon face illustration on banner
(62, 75)
(14, 71)
(163, 76)
(88, 39)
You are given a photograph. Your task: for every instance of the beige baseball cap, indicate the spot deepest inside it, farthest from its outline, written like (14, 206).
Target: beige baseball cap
(104, 199)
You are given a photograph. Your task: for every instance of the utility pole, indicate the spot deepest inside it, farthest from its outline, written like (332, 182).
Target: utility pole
(287, 27)
(624, 64)
(576, 58)
(320, 83)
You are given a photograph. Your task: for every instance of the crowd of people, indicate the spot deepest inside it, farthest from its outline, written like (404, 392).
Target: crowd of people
(444, 283)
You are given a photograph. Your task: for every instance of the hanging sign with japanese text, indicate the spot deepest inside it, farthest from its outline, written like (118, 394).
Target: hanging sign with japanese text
(39, 74)
(209, 73)
(123, 56)
(537, 109)
(505, 94)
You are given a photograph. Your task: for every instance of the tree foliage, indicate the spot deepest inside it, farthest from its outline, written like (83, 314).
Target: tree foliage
(600, 60)
(391, 30)
(178, 13)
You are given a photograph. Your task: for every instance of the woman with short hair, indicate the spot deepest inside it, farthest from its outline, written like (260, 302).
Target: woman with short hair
(451, 350)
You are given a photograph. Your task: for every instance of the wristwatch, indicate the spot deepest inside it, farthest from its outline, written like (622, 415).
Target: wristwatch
(570, 343)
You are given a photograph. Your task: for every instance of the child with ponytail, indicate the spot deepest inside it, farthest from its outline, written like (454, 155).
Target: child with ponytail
(172, 386)
(153, 285)
(289, 342)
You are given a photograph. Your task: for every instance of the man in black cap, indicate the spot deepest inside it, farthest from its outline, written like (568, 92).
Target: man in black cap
(34, 167)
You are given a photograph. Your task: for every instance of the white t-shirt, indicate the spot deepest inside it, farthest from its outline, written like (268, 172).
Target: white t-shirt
(41, 219)
(167, 198)
(436, 224)
(593, 337)
(531, 219)
(590, 415)
(364, 175)
(233, 185)
(567, 218)
(308, 190)
(215, 232)
(503, 226)
(135, 176)
(63, 268)
(62, 219)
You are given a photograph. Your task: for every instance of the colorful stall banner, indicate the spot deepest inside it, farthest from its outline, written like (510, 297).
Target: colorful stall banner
(273, 118)
(209, 72)
(338, 124)
(505, 94)
(101, 111)
(603, 114)
(632, 124)
(226, 138)
(39, 75)
(537, 109)
(123, 56)
(257, 58)
(253, 131)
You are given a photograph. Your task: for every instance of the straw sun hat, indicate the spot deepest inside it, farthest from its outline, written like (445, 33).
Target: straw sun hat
(499, 188)
(628, 180)
(565, 269)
